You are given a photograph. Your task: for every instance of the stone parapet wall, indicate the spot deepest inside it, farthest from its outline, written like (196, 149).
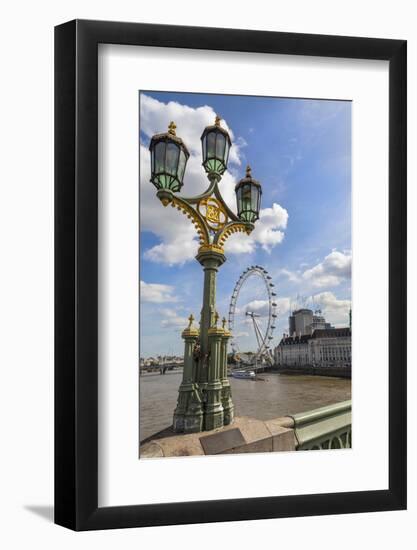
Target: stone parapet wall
(245, 435)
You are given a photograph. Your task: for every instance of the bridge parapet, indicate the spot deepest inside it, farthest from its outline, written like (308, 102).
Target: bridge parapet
(328, 427)
(324, 428)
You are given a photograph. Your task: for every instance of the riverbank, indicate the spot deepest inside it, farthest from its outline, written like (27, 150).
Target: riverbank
(337, 372)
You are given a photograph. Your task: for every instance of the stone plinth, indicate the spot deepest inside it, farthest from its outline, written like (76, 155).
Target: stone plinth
(244, 435)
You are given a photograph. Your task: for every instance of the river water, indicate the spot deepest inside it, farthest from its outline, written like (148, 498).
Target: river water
(272, 396)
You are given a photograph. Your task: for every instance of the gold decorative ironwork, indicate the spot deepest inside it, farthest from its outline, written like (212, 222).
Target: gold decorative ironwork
(190, 319)
(195, 218)
(211, 248)
(233, 228)
(171, 128)
(213, 212)
(217, 121)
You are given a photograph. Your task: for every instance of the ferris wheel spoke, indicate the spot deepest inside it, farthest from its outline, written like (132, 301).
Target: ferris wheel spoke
(259, 335)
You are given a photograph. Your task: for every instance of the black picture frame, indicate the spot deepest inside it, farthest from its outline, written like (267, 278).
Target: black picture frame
(76, 272)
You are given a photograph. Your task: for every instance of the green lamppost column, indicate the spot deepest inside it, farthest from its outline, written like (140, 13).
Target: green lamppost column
(204, 400)
(213, 412)
(188, 415)
(211, 260)
(228, 408)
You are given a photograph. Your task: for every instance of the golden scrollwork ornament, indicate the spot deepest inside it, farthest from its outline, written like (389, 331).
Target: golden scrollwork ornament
(213, 212)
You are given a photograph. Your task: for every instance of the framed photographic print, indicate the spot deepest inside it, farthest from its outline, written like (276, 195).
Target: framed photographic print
(230, 275)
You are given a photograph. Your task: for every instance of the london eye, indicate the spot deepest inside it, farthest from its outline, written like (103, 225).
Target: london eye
(259, 316)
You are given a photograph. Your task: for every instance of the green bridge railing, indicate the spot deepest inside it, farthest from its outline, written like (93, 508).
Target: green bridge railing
(325, 428)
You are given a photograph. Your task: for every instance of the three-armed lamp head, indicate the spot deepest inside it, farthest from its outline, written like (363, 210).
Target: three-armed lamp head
(248, 195)
(216, 146)
(169, 156)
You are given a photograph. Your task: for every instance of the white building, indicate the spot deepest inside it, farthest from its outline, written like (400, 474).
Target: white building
(324, 348)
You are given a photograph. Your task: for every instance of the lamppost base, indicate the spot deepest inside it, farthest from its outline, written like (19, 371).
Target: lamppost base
(187, 423)
(213, 413)
(193, 423)
(228, 408)
(229, 416)
(188, 416)
(214, 420)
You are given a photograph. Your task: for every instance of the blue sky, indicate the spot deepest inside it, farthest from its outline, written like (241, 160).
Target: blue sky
(300, 151)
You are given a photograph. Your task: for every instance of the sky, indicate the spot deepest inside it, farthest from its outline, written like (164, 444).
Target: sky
(300, 151)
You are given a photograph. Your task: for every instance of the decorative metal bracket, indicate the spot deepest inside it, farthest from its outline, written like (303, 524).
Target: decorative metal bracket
(213, 219)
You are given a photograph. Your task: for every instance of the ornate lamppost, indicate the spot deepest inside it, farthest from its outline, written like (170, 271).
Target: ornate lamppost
(204, 400)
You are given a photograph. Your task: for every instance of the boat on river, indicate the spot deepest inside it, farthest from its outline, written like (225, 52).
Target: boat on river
(246, 374)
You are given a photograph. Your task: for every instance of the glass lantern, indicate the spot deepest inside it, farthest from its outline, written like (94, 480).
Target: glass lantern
(169, 157)
(216, 146)
(248, 196)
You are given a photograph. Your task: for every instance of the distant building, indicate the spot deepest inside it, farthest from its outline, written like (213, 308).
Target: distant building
(304, 321)
(291, 325)
(160, 360)
(331, 347)
(292, 351)
(319, 323)
(327, 347)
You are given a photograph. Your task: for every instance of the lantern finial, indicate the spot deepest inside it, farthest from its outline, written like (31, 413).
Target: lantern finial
(248, 171)
(217, 121)
(171, 128)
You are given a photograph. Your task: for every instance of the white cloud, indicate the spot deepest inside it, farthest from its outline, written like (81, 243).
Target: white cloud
(156, 115)
(242, 334)
(176, 252)
(156, 293)
(171, 319)
(335, 268)
(267, 230)
(267, 233)
(283, 306)
(240, 243)
(178, 238)
(292, 276)
(336, 311)
(261, 307)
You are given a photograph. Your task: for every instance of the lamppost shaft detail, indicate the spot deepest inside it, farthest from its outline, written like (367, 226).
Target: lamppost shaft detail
(211, 261)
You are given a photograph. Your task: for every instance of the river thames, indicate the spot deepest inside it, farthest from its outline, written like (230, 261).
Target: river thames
(271, 396)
